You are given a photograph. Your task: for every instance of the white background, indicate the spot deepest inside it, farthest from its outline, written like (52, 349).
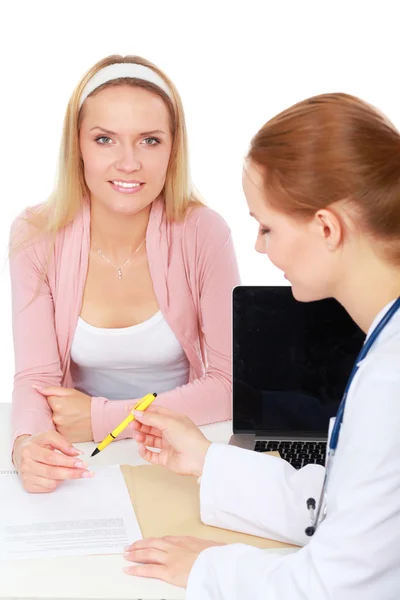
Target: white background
(236, 64)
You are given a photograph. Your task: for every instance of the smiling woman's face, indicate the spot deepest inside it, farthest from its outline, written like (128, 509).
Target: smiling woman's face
(125, 142)
(298, 247)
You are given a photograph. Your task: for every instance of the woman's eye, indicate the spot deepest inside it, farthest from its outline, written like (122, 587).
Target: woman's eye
(103, 140)
(264, 230)
(151, 141)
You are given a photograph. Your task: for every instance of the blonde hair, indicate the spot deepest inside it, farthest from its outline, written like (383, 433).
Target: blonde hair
(329, 148)
(70, 188)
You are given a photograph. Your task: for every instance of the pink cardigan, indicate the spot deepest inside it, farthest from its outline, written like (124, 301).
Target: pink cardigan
(193, 268)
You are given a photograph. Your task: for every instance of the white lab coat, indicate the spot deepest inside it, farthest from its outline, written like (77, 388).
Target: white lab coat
(355, 552)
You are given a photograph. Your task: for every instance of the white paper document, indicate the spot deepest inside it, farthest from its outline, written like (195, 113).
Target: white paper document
(85, 516)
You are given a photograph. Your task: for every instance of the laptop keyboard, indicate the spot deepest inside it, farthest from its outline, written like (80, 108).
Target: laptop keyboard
(297, 453)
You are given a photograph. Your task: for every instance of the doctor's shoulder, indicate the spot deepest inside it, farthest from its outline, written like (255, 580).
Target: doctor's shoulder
(376, 395)
(383, 361)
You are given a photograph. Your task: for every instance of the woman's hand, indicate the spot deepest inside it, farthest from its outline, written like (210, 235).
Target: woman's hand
(169, 558)
(71, 412)
(40, 467)
(183, 446)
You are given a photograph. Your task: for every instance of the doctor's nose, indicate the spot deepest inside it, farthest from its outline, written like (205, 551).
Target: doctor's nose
(128, 160)
(260, 245)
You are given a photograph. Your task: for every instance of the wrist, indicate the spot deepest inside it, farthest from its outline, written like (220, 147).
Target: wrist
(200, 466)
(19, 441)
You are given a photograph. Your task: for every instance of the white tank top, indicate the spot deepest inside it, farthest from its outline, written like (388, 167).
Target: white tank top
(129, 362)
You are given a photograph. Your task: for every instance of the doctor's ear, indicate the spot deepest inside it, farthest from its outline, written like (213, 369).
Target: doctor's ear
(329, 227)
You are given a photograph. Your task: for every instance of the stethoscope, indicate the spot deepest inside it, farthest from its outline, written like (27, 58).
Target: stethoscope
(319, 516)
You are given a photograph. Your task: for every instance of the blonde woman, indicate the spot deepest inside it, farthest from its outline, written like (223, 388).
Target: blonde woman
(121, 282)
(323, 181)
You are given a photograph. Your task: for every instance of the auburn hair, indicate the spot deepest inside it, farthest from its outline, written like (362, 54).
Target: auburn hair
(331, 148)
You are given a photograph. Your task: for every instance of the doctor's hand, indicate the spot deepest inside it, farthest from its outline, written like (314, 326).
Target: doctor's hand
(169, 558)
(40, 467)
(183, 447)
(71, 412)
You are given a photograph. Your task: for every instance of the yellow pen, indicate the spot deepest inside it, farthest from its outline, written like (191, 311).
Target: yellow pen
(141, 405)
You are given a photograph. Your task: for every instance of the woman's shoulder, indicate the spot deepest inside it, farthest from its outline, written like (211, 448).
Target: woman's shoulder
(31, 235)
(205, 234)
(29, 216)
(28, 227)
(33, 225)
(203, 220)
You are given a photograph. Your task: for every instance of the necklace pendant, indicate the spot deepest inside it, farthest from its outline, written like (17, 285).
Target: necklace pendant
(119, 274)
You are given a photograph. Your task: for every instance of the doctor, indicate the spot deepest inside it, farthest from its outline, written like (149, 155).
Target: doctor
(323, 180)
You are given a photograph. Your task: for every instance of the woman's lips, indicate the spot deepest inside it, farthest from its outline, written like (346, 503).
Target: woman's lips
(126, 189)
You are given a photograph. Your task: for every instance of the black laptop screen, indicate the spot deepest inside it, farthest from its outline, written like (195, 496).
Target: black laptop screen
(291, 361)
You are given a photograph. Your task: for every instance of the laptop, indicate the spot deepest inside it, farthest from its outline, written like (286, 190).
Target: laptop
(291, 362)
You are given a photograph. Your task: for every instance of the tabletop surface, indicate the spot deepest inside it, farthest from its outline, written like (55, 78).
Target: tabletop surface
(94, 577)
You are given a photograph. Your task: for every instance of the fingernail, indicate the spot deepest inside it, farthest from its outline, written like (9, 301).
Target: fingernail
(127, 570)
(80, 464)
(77, 451)
(138, 413)
(126, 555)
(37, 387)
(127, 548)
(87, 474)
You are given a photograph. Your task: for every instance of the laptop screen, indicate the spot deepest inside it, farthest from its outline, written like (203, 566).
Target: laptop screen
(291, 361)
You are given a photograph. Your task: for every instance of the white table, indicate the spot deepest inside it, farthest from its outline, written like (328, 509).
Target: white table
(94, 577)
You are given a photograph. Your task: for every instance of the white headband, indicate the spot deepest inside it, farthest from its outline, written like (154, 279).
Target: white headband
(119, 70)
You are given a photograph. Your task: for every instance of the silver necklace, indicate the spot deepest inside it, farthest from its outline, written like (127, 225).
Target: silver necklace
(119, 269)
